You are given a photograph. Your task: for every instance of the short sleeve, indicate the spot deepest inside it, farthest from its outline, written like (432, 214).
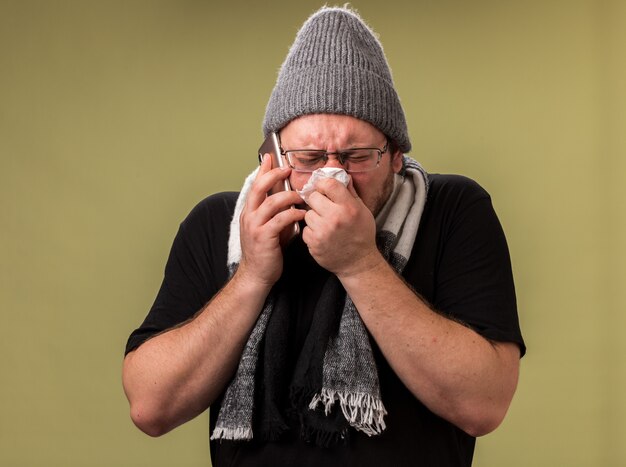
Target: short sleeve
(462, 261)
(195, 269)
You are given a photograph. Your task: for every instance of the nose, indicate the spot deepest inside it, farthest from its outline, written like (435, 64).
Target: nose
(333, 161)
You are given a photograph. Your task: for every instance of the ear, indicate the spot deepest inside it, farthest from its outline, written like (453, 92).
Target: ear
(396, 161)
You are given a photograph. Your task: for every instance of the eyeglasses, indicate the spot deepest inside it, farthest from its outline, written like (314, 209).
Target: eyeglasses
(353, 160)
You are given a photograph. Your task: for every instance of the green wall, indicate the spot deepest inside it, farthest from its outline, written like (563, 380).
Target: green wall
(117, 117)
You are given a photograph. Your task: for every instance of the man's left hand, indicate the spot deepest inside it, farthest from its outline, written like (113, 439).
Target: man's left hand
(341, 230)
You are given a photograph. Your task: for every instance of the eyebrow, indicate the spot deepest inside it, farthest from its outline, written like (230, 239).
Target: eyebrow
(353, 146)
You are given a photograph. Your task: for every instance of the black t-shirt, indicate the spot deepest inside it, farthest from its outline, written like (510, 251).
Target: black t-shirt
(459, 264)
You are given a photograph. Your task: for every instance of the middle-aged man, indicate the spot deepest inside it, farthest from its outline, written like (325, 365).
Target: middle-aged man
(385, 334)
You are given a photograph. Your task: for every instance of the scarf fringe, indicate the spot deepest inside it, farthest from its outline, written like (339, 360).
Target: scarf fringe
(234, 434)
(362, 411)
(271, 433)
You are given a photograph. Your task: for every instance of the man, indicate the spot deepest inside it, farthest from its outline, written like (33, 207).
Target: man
(385, 334)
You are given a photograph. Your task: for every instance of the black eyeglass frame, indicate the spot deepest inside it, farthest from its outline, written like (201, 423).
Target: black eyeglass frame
(341, 156)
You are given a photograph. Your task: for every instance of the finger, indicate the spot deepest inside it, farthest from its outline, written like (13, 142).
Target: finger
(307, 235)
(264, 181)
(283, 219)
(334, 190)
(319, 202)
(272, 226)
(276, 203)
(312, 219)
(254, 199)
(265, 166)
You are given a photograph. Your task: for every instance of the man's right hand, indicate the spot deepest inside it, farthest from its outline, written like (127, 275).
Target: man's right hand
(262, 220)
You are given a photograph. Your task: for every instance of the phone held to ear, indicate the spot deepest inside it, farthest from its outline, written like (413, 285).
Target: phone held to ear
(271, 146)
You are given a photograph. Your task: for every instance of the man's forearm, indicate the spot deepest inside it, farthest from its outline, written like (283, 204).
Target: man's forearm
(454, 371)
(174, 376)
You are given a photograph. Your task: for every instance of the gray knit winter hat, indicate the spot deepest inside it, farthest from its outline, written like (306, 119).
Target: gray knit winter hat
(337, 65)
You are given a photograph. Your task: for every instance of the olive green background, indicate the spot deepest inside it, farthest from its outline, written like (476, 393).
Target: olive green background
(116, 117)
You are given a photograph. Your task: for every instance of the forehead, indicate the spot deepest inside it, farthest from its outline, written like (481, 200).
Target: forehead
(324, 130)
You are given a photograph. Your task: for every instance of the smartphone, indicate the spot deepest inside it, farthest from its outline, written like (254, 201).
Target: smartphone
(271, 146)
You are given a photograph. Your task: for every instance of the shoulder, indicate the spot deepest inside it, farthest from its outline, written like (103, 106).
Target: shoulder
(458, 207)
(215, 209)
(217, 204)
(208, 222)
(454, 197)
(453, 188)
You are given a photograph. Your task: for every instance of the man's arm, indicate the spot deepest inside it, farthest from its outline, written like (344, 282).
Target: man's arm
(455, 372)
(176, 375)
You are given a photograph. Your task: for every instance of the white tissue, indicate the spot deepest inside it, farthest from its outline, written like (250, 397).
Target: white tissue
(325, 172)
